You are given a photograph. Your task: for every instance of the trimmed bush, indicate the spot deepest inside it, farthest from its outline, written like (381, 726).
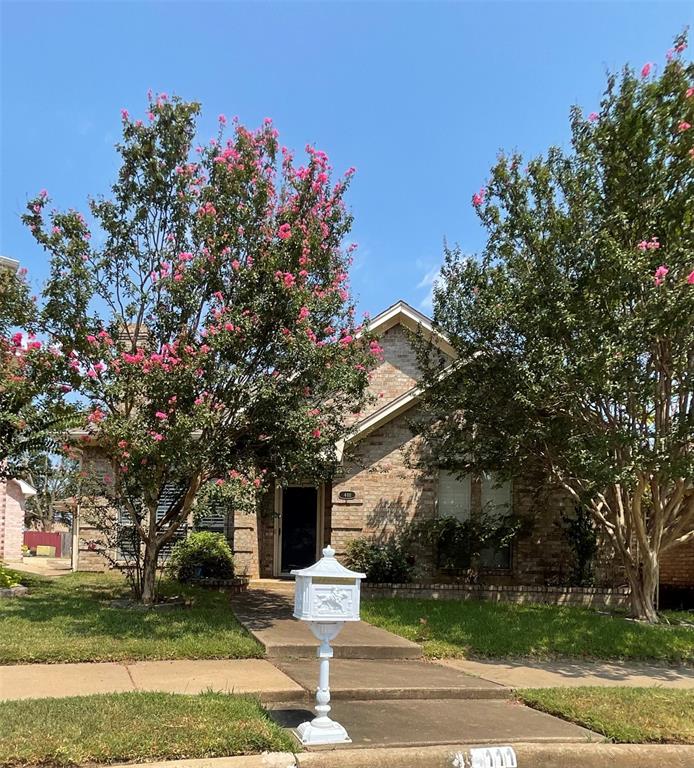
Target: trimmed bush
(386, 562)
(202, 554)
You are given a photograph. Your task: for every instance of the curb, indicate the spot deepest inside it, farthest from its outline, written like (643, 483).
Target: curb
(588, 755)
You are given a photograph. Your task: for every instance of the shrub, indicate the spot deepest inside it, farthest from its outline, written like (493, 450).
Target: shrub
(203, 554)
(384, 562)
(581, 534)
(7, 578)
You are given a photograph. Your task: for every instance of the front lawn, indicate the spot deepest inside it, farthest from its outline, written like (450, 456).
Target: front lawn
(135, 726)
(70, 618)
(450, 628)
(630, 715)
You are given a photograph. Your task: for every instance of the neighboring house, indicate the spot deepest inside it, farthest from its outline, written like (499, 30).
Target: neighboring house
(13, 496)
(376, 492)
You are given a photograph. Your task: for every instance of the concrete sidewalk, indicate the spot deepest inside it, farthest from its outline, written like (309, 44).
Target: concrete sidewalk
(295, 681)
(254, 676)
(571, 674)
(266, 612)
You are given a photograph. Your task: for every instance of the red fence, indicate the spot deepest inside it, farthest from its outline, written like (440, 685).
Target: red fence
(35, 538)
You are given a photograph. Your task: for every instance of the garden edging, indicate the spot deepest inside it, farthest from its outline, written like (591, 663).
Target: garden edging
(588, 597)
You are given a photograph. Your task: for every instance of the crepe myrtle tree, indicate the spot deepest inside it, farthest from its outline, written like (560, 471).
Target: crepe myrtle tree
(32, 378)
(210, 329)
(575, 325)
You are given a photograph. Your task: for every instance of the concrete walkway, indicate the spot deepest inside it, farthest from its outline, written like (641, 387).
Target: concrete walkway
(266, 612)
(255, 676)
(43, 566)
(571, 674)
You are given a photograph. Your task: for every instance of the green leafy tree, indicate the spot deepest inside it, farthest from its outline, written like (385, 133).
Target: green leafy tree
(210, 329)
(575, 325)
(56, 481)
(32, 377)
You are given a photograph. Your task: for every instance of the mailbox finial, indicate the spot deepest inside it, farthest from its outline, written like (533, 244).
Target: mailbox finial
(328, 551)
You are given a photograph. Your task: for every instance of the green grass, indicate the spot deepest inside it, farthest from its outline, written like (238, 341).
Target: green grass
(630, 715)
(134, 726)
(69, 619)
(448, 628)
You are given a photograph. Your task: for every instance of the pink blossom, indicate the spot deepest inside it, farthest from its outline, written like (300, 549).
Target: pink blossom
(660, 274)
(92, 373)
(690, 93)
(649, 245)
(124, 114)
(161, 415)
(690, 278)
(43, 193)
(478, 198)
(592, 117)
(304, 312)
(284, 232)
(56, 230)
(122, 443)
(684, 126)
(95, 416)
(345, 340)
(222, 119)
(316, 433)
(646, 69)
(235, 265)
(289, 279)
(219, 481)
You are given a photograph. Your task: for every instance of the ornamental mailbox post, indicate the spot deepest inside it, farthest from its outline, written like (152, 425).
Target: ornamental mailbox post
(326, 595)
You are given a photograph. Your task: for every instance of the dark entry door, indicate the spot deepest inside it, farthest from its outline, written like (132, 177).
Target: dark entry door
(299, 527)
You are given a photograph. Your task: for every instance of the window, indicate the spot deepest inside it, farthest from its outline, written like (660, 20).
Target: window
(454, 495)
(496, 502)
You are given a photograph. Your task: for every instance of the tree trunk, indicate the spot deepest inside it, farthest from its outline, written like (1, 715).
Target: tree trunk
(149, 571)
(643, 582)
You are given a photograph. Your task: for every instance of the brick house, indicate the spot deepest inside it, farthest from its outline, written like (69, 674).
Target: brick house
(376, 492)
(13, 497)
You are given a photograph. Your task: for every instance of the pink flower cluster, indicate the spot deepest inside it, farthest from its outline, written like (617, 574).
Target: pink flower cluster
(649, 245)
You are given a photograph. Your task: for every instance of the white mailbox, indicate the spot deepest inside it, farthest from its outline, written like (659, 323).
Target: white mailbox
(326, 595)
(327, 591)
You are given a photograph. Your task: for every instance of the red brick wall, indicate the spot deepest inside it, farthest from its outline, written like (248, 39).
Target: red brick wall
(677, 566)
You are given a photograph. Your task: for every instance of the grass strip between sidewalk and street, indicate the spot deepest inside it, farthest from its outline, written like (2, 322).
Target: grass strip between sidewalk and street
(73, 618)
(626, 715)
(118, 727)
(468, 629)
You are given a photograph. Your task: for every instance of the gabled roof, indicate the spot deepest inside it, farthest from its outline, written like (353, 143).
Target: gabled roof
(27, 489)
(401, 313)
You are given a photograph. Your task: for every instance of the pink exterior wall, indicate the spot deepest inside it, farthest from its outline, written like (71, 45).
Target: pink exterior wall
(11, 521)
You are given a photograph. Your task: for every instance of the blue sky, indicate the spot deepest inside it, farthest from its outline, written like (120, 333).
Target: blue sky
(420, 97)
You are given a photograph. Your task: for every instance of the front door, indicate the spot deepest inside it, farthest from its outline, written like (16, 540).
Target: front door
(299, 527)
